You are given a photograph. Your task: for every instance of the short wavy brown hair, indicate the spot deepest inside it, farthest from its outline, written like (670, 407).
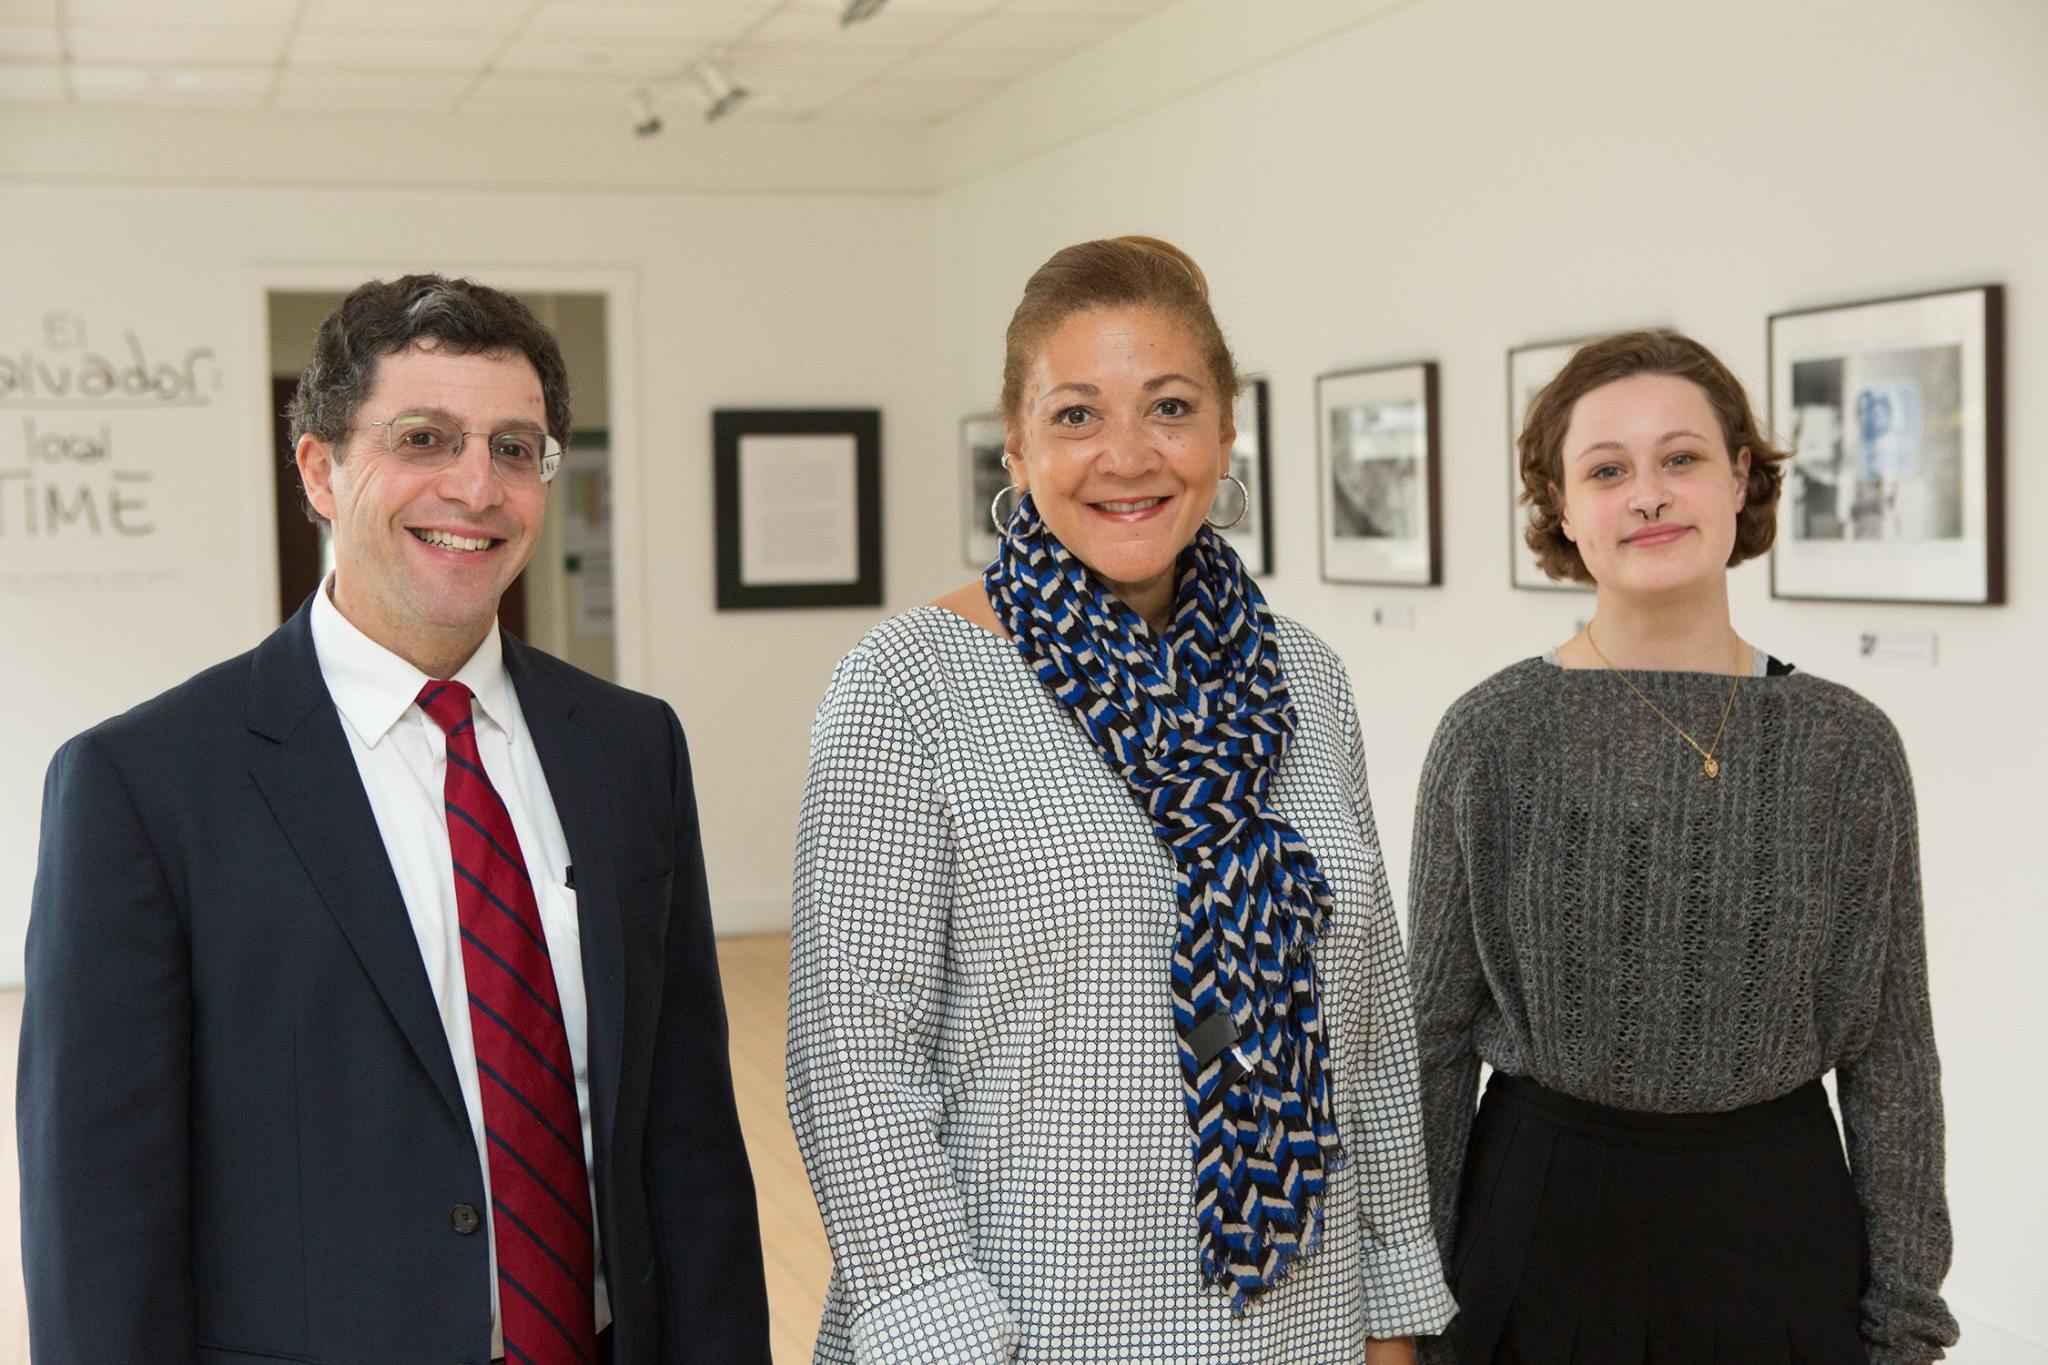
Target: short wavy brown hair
(1597, 363)
(1110, 273)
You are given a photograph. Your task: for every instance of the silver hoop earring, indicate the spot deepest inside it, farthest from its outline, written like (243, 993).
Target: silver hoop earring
(1001, 520)
(1244, 505)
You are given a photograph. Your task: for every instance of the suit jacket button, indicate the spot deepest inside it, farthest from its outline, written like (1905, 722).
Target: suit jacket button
(463, 1219)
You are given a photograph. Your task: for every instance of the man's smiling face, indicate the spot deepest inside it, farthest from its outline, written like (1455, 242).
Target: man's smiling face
(422, 556)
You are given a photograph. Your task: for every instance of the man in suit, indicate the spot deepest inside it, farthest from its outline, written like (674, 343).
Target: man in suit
(373, 1014)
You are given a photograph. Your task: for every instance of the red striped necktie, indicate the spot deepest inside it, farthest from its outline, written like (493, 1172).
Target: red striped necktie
(540, 1195)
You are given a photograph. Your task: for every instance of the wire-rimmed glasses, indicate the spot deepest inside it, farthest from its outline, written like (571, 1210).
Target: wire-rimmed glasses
(428, 441)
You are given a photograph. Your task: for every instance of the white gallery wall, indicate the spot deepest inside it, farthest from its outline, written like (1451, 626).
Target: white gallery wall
(721, 301)
(1455, 177)
(1366, 181)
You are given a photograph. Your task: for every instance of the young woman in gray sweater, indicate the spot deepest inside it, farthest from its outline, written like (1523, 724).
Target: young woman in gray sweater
(1662, 884)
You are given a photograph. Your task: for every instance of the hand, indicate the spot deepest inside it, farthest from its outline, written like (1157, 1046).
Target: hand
(1392, 1351)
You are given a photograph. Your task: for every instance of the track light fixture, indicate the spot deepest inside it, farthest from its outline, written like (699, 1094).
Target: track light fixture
(646, 123)
(721, 96)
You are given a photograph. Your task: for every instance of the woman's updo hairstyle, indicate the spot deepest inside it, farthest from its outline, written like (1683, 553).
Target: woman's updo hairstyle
(1117, 272)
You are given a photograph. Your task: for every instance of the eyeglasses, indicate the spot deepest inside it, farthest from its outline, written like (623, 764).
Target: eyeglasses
(427, 442)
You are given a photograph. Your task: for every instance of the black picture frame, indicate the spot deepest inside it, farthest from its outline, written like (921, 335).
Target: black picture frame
(860, 584)
(1251, 460)
(982, 476)
(1908, 507)
(1530, 368)
(1393, 543)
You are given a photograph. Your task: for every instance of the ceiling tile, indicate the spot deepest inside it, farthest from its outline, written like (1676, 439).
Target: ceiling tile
(41, 83)
(771, 64)
(539, 93)
(675, 23)
(28, 11)
(1032, 33)
(470, 18)
(156, 14)
(1130, 10)
(901, 102)
(28, 42)
(993, 68)
(741, 10)
(256, 46)
(370, 91)
(904, 29)
(214, 87)
(776, 111)
(797, 99)
(956, 9)
(387, 51)
(600, 57)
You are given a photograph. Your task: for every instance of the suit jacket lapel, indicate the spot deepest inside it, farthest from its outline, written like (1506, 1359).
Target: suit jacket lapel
(575, 762)
(309, 778)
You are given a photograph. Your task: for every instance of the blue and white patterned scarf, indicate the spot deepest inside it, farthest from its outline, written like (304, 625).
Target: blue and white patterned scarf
(1197, 723)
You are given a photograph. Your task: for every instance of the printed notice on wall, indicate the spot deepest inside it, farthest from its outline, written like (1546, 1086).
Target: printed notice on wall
(798, 510)
(90, 415)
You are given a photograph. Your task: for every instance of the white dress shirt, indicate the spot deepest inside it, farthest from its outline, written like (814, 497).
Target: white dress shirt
(403, 759)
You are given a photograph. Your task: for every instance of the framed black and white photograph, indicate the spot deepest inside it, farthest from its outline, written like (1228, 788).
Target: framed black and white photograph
(1378, 467)
(1252, 536)
(1894, 411)
(1529, 369)
(982, 476)
(798, 494)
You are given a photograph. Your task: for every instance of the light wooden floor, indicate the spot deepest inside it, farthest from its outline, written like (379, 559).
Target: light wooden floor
(756, 978)
(756, 974)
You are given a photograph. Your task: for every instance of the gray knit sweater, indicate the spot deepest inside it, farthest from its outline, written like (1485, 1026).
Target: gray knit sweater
(1589, 910)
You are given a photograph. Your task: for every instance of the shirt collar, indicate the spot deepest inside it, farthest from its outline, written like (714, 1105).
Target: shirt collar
(373, 688)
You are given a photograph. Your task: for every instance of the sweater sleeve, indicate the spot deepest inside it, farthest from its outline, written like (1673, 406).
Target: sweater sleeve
(1405, 1294)
(1445, 973)
(868, 986)
(1890, 1090)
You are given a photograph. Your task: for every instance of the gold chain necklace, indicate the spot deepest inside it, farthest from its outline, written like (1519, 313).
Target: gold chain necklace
(1708, 762)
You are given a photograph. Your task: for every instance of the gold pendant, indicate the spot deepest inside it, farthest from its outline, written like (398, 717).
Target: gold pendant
(1713, 768)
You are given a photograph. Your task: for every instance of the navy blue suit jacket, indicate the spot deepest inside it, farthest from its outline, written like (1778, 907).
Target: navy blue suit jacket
(241, 1134)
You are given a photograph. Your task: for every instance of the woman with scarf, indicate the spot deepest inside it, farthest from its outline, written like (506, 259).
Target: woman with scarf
(1100, 1048)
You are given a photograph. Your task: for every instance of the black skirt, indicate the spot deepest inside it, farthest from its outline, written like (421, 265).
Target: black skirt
(1598, 1236)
